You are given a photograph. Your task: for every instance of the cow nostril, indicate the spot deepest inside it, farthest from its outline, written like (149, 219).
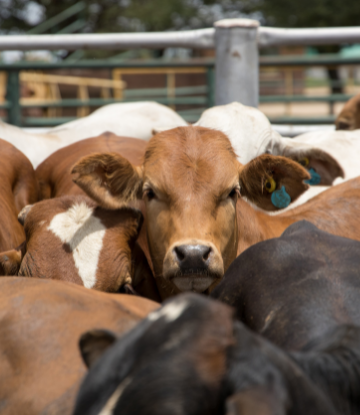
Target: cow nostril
(179, 253)
(207, 253)
(192, 254)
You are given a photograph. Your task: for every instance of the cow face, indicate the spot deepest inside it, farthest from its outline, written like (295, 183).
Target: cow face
(191, 357)
(71, 239)
(190, 182)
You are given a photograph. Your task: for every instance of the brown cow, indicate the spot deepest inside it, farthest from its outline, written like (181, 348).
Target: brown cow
(335, 211)
(40, 324)
(53, 174)
(71, 239)
(17, 189)
(349, 117)
(190, 181)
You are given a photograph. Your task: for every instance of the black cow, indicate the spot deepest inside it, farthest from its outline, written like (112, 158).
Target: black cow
(191, 357)
(294, 288)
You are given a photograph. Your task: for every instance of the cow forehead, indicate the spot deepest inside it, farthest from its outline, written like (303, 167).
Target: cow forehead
(190, 157)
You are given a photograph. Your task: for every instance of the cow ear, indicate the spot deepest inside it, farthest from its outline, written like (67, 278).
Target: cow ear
(257, 400)
(109, 179)
(323, 168)
(10, 262)
(23, 214)
(93, 344)
(343, 124)
(272, 182)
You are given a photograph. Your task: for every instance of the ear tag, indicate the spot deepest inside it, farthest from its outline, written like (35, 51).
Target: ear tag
(280, 198)
(315, 178)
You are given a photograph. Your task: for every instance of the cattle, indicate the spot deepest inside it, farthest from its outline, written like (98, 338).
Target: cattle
(196, 223)
(131, 119)
(330, 157)
(54, 173)
(192, 357)
(296, 287)
(72, 239)
(18, 188)
(349, 117)
(189, 185)
(40, 324)
(136, 119)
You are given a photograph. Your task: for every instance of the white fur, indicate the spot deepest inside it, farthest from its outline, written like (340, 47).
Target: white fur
(251, 135)
(84, 233)
(130, 119)
(170, 312)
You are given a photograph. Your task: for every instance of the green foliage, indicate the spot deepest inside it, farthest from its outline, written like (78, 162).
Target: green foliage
(307, 13)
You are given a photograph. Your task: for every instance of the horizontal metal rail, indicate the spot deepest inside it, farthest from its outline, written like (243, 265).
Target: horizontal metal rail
(198, 39)
(303, 121)
(104, 64)
(271, 36)
(305, 98)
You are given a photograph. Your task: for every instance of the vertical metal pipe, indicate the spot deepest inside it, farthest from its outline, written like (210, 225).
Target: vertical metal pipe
(237, 62)
(13, 97)
(210, 80)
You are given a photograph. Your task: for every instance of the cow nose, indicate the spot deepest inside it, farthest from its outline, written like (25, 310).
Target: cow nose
(192, 256)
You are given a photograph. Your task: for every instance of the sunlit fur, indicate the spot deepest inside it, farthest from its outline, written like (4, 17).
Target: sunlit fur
(349, 117)
(191, 171)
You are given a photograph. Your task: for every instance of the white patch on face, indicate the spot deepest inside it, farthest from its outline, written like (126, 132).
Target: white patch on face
(84, 233)
(171, 311)
(111, 403)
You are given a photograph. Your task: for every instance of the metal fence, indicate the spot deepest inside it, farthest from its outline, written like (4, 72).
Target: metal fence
(236, 41)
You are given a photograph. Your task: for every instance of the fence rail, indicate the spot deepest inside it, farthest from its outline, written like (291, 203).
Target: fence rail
(236, 42)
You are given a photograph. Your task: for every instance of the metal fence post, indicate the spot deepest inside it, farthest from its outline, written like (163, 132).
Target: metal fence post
(13, 97)
(237, 62)
(210, 81)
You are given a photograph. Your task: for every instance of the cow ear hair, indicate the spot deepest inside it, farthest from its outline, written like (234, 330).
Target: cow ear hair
(325, 167)
(272, 182)
(23, 214)
(108, 178)
(257, 400)
(93, 344)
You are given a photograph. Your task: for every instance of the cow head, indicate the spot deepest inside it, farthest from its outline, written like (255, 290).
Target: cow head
(71, 239)
(190, 182)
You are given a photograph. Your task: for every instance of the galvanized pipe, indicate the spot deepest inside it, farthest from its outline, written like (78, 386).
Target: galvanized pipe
(271, 36)
(197, 39)
(237, 62)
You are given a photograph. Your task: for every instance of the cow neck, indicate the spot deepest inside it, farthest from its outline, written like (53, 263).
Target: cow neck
(255, 226)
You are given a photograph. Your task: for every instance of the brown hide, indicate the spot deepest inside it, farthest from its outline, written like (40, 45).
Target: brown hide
(336, 211)
(53, 174)
(55, 180)
(40, 325)
(17, 189)
(190, 181)
(47, 254)
(349, 117)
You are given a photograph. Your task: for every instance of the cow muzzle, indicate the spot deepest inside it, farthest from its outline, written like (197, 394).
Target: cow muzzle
(193, 266)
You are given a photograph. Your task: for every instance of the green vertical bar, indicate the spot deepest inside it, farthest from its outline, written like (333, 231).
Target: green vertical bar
(13, 97)
(210, 80)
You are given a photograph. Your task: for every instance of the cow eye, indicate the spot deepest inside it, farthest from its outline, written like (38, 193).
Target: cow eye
(149, 193)
(234, 192)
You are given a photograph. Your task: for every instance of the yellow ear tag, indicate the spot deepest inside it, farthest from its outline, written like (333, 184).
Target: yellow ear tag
(304, 161)
(270, 185)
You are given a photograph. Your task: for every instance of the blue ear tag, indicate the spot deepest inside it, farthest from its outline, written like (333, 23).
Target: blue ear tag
(315, 178)
(280, 198)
